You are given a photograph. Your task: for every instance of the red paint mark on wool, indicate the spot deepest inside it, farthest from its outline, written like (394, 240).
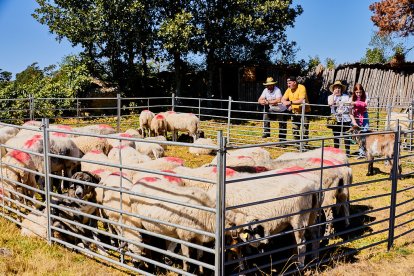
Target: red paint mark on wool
(96, 151)
(326, 162)
(29, 143)
(170, 112)
(119, 174)
(64, 127)
(259, 169)
(174, 160)
(159, 117)
(125, 135)
(296, 169)
(145, 110)
(149, 179)
(98, 172)
(20, 156)
(170, 178)
(333, 150)
(1, 192)
(104, 126)
(59, 134)
(120, 147)
(229, 172)
(243, 157)
(31, 123)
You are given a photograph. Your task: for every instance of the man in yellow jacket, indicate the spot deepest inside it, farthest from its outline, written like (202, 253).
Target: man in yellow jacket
(293, 98)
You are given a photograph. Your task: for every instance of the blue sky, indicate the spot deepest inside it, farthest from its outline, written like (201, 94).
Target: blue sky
(338, 29)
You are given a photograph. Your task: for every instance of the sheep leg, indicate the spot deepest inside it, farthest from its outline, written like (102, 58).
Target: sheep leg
(329, 217)
(370, 164)
(299, 223)
(174, 133)
(186, 252)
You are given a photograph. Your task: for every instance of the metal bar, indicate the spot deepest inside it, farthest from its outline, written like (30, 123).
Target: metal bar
(118, 108)
(46, 149)
(229, 119)
(394, 184)
(220, 204)
(173, 101)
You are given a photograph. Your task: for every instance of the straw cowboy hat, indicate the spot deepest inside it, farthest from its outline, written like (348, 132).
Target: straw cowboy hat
(337, 83)
(269, 81)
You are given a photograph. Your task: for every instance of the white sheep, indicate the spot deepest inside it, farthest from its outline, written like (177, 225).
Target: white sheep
(34, 128)
(118, 140)
(34, 225)
(158, 125)
(135, 133)
(6, 133)
(15, 166)
(202, 151)
(145, 118)
(150, 149)
(328, 153)
(99, 156)
(181, 215)
(158, 138)
(127, 154)
(160, 164)
(96, 129)
(186, 122)
(88, 143)
(255, 156)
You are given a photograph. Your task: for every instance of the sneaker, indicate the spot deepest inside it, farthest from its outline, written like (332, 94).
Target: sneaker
(360, 157)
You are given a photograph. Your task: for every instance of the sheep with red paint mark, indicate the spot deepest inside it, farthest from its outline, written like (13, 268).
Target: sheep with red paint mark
(255, 156)
(89, 143)
(158, 125)
(119, 140)
(15, 166)
(167, 213)
(97, 156)
(96, 129)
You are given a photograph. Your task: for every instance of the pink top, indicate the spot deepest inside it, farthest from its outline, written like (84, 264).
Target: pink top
(360, 108)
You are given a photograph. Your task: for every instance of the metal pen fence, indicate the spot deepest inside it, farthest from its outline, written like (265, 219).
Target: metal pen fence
(377, 216)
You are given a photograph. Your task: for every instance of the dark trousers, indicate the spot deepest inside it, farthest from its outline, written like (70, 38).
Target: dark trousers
(336, 129)
(281, 118)
(296, 124)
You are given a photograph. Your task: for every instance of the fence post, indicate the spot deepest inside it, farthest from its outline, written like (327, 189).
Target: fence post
(378, 113)
(118, 108)
(31, 106)
(220, 204)
(388, 116)
(394, 183)
(173, 102)
(199, 108)
(45, 127)
(77, 108)
(302, 125)
(228, 119)
(410, 117)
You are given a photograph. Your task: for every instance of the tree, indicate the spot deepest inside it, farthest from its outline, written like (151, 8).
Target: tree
(114, 35)
(238, 30)
(330, 63)
(394, 16)
(5, 78)
(381, 49)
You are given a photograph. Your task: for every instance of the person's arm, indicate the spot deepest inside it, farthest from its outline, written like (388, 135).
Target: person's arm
(278, 98)
(262, 99)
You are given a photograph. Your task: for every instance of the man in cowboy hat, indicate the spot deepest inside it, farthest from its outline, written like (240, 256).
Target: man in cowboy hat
(271, 99)
(295, 95)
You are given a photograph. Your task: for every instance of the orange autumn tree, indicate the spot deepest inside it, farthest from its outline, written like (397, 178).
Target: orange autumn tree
(394, 16)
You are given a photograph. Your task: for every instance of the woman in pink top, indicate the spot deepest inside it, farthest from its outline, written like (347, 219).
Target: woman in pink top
(359, 111)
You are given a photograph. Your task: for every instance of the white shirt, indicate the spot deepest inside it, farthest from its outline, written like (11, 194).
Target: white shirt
(272, 95)
(340, 107)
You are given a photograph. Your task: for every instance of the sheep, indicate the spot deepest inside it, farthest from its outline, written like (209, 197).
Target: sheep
(6, 133)
(246, 157)
(99, 156)
(34, 225)
(111, 199)
(170, 213)
(340, 177)
(158, 125)
(187, 122)
(161, 164)
(34, 128)
(88, 143)
(150, 149)
(169, 178)
(158, 138)
(25, 141)
(202, 151)
(15, 166)
(145, 118)
(96, 129)
(377, 145)
(135, 133)
(116, 141)
(126, 153)
(61, 134)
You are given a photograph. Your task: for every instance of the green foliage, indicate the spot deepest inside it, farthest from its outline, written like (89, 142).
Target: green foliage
(373, 56)
(49, 89)
(383, 49)
(330, 63)
(313, 62)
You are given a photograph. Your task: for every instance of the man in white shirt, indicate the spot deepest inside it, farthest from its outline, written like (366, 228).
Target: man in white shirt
(275, 109)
